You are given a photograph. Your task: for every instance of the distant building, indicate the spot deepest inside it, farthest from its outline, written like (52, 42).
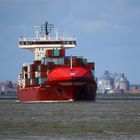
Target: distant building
(113, 83)
(105, 83)
(134, 89)
(7, 87)
(121, 83)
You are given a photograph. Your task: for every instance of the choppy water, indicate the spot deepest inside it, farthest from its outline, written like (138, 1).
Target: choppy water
(100, 120)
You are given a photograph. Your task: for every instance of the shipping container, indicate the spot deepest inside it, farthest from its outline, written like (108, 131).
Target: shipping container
(32, 74)
(84, 60)
(36, 74)
(62, 52)
(56, 53)
(66, 61)
(61, 61)
(42, 80)
(32, 67)
(37, 62)
(33, 81)
(46, 53)
(55, 60)
(49, 53)
(90, 65)
(42, 74)
(43, 60)
(27, 82)
(79, 57)
(50, 65)
(48, 59)
(79, 61)
(93, 72)
(66, 57)
(42, 68)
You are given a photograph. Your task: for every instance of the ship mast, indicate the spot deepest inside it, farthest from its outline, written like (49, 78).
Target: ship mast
(45, 40)
(48, 28)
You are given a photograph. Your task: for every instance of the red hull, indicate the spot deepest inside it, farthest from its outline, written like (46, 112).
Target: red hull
(62, 85)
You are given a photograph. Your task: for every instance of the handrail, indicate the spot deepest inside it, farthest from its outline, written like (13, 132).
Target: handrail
(49, 38)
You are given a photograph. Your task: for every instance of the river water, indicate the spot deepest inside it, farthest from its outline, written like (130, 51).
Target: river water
(100, 120)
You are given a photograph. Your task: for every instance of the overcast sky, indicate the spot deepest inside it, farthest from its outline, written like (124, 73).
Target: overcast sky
(107, 31)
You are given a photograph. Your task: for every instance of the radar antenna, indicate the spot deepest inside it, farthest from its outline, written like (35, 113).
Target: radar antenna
(47, 28)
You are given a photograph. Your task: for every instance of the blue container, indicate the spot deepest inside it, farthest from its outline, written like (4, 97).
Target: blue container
(66, 57)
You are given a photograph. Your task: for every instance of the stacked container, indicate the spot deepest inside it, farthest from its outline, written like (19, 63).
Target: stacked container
(91, 65)
(36, 73)
(55, 53)
(42, 73)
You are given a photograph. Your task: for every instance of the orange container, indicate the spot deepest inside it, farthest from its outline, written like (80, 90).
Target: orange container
(49, 53)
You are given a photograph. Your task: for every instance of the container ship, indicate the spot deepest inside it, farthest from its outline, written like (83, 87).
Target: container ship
(53, 76)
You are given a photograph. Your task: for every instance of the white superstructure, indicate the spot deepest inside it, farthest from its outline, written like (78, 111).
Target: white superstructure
(45, 41)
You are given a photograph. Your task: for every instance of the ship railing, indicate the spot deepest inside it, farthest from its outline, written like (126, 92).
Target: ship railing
(51, 38)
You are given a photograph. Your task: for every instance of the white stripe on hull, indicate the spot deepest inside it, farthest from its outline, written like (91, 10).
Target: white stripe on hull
(49, 101)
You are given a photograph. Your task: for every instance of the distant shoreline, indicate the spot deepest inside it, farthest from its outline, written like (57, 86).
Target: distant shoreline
(116, 96)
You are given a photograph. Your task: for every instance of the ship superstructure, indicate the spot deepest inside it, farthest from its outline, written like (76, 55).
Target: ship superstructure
(45, 41)
(53, 76)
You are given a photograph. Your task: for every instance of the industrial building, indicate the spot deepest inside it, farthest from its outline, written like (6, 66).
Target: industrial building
(7, 87)
(113, 83)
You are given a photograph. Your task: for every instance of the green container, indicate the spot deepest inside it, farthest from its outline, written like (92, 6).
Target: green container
(42, 80)
(56, 53)
(43, 60)
(84, 61)
(33, 81)
(79, 57)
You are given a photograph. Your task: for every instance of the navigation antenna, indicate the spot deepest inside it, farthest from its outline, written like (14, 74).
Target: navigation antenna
(47, 28)
(37, 31)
